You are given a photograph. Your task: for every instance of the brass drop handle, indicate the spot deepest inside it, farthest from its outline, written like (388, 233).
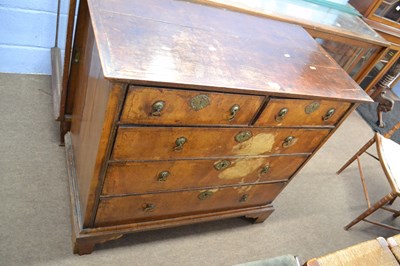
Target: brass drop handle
(265, 170)
(179, 142)
(234, 109)
(281, 114)
(289, 141)
(149, 207)
(162, 176)
(157, 107)
(244, 198)
(329, 114)
(205, 195)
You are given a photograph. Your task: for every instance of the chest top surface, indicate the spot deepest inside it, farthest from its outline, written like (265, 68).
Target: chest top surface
(183, 44)
(308, 14)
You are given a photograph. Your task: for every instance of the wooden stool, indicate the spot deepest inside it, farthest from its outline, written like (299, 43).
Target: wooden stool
(388, 155)
(369, 253)
(394, 244)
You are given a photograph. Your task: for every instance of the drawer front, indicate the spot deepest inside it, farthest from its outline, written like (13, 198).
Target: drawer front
(180, 107)
(140, 208)
(161, 143)
(290, 112)
(142, 177)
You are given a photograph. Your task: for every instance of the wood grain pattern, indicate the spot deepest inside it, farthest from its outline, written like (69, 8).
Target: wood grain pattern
(157, 143)
(363, 6)
(81, 129)
(143, 177)
(172, 48)
(320, 22)
(94, 111)
(178, 108)
(313, 16)
(120, 210)
(84, 239)
(297, 113)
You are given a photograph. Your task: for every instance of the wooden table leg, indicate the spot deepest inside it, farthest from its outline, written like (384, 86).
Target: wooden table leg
(385, 105)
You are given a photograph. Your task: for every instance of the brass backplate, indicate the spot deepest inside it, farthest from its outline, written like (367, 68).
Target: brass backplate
(205, 195)
(312, 107)
(244, 198)
(221, 165)
(199, 102)
(243, 136)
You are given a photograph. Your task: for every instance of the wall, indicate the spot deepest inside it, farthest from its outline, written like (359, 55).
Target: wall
(27, 33)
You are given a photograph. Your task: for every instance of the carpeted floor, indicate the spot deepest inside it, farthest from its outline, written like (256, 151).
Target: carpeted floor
(35, 225)
(368, 112)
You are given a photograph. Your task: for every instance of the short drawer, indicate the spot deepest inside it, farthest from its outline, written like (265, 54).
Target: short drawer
(182, 107)
(292, 112)
(162, 143)
(142, 177)
(140, 208)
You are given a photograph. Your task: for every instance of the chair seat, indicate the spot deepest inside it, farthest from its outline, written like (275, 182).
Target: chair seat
(394, 242)
(389, 154)
(370, 253)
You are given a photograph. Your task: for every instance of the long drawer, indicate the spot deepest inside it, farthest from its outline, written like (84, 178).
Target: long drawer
(162, 143)
(161, 106)
(142, 177)
(140, 208)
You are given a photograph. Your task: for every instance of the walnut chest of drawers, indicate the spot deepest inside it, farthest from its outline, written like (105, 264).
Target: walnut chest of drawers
(184, 113)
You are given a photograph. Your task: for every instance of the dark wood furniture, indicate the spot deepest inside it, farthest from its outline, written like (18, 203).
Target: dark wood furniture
(383, 16)
(388, 154)
(382, 11)
(178, 119)
(389, 59)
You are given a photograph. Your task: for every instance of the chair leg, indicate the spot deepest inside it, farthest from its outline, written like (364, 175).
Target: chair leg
(371, 210)
(361, 151)
(363, 183)
(391, 202)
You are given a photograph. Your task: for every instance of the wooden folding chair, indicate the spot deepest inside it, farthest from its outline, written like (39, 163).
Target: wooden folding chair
(389, 157)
